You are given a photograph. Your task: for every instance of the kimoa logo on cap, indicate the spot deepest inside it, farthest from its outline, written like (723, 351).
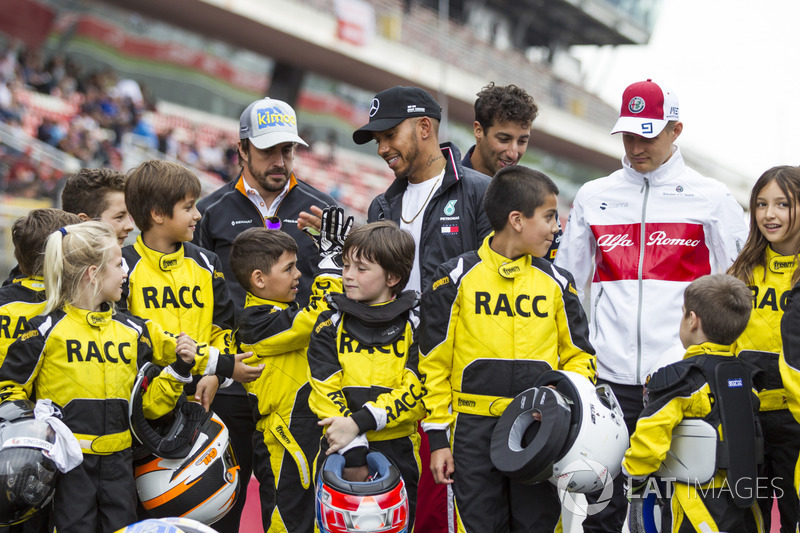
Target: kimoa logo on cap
(373, 108)
(636, 105)
(273, 116)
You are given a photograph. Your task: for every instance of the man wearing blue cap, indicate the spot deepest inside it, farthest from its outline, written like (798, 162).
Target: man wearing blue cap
(266, 194)
(433, 196)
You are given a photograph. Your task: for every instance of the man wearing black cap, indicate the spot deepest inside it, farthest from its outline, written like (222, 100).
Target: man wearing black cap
(434, 197)
(440, 202)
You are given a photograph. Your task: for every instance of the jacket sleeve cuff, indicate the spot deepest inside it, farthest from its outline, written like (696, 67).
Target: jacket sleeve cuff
(356, 456)
(437, 438)
(225, 364)
(364, 420)
(182, 368)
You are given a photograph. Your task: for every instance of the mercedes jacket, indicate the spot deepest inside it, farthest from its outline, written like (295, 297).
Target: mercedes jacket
(228, 211)
(454, 221)
(184, 292)
(760, 344)
(86, 362)
(20, 300)
(490, 327)
(640, 239)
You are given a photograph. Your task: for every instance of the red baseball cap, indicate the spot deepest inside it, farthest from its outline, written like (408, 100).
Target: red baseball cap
(646, 109)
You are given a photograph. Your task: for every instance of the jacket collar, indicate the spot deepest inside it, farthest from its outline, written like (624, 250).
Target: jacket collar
(780, 264)
(709, 348)
(251, 300)
(165, 262)
(670, 170)
(504, 266)
(96, 319)
(240, 186)
(34, 283)
(453, 171)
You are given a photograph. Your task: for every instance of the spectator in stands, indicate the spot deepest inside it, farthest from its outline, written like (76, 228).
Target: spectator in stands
(640, 236)
(504, 117)
(266, 194)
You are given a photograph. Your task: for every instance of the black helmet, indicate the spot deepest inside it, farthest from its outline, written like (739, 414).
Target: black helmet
(171, 436)
(27, 474)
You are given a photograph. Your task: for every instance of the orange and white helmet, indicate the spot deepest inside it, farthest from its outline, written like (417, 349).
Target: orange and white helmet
(203, 481)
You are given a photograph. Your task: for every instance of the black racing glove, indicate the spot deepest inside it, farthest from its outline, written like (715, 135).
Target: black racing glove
(333, 231)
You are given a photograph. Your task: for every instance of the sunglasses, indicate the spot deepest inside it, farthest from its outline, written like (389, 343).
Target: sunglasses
(273, 222)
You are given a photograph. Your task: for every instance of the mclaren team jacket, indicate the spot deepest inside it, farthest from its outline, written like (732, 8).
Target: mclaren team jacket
(490, 327)
(454, 221)
(20, 300)
(356, 372)
(86, 362)
(184, 292)
(228, 211)
(278, 334)
(761, 342)
(653, 436)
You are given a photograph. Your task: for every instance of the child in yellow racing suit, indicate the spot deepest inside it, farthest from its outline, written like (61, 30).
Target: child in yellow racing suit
(363, 358)
(710, 385)
(493, 322)
(277, 331)
(84, 356)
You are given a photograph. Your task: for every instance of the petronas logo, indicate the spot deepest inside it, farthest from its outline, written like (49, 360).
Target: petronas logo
(450, 208)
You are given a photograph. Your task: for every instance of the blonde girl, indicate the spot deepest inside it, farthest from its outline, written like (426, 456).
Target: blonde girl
(768, 264)
(84, 357)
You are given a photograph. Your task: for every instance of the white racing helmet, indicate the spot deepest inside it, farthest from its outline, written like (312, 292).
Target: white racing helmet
(579, 443)
(27, 474)
(167, 525)
(379, 504)
(186, 466)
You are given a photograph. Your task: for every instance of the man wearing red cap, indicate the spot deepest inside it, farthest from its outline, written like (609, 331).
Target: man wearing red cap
(641, 235)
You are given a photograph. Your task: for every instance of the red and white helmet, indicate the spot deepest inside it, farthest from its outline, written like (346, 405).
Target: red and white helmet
(379, 504)
(201, 482)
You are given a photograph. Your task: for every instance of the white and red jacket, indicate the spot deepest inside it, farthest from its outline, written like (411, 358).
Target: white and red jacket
(641, 239)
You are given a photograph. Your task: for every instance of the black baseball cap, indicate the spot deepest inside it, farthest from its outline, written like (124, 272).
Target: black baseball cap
(392, 106)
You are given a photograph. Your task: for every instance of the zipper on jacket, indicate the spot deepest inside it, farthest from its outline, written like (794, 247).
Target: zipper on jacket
(642, 244)
(596, 304)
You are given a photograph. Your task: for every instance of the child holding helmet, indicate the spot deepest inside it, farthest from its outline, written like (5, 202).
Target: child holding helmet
(494, 321)
(84, 357)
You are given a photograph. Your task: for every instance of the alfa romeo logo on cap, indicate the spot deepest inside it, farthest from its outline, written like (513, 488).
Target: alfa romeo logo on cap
(636, 105)
(374, 107)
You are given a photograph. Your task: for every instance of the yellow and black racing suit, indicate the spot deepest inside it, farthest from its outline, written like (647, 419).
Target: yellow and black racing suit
(20, 300)
(86, 362)
(688, 395)
(490, 327)
(287, 434)
(363, 364)
(184, 292)
(760, 345)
